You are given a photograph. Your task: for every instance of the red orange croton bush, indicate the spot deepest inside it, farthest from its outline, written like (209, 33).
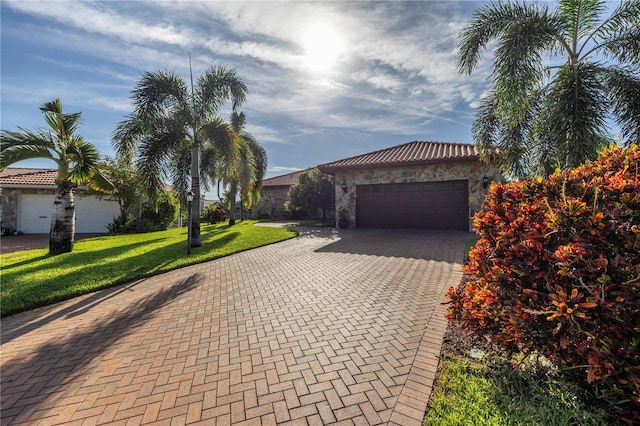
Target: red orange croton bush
(557, 272)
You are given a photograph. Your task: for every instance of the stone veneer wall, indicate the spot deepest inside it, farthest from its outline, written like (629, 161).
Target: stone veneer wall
(473, 171)
(271, 204)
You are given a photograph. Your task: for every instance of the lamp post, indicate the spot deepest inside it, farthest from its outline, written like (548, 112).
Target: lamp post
(189, 200)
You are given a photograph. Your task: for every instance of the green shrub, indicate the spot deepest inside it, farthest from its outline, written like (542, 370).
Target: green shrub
(213, 214)
(557, 271)
(153, 217)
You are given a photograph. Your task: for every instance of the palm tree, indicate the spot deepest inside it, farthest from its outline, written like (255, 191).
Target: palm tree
(254, 191)
(170, 126)
(237, 162)
(77, 160)
(540, 115)
(252, 166)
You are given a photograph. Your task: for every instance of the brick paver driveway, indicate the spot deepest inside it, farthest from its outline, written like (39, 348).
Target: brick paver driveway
(320, 329)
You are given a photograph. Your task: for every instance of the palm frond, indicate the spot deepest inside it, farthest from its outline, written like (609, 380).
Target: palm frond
(82, 157)
(208, 165)
(155, 153)
(519, 66)
(542, 157)
(63, 125)
(623, 47)
(125, 137)
(99, 180)
(226, 143)
(180, 168)
(580, 17)
(513, 149)
(219, 85)
(25, 145)
(238, 121)
(577, 100)
(485, 129)
(260, 159)
(487, 24)
(625, 16)
(624, 90)
(158, 92)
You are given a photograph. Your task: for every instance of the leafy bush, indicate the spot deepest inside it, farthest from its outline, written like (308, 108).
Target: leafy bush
(557, 271)
(213, 214)
(313, 193)
(154, 217)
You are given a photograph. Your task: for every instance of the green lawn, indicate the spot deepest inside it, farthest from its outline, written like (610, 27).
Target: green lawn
(32, 278)
(470, 393)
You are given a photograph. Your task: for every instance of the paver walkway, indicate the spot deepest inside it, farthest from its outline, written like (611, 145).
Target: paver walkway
(325, 328)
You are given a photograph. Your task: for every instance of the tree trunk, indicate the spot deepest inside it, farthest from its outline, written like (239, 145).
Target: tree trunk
(232, 211)
(196, 239)
(63, 221)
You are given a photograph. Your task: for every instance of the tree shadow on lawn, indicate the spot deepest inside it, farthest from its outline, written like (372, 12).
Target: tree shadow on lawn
(78, 256)
(59, 364)
(101, 293)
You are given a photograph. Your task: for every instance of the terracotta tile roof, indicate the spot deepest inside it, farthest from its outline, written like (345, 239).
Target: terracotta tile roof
(289, 179)
(408, 153)
(14, 176)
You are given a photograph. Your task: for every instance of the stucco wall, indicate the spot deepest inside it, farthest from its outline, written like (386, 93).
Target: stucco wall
(271, 204)
(473, 171)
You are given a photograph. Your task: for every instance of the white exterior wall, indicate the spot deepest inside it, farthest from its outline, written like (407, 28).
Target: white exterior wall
(92, 213)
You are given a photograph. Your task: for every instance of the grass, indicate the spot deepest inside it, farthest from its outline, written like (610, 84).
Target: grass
(470, 244)
(468, 392)
(32, 278)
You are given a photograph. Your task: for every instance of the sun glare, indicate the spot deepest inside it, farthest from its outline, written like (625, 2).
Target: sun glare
(323, 46)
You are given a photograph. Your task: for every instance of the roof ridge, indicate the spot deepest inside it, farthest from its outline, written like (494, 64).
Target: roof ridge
(408, 153)
(291, 173)
(438, 146)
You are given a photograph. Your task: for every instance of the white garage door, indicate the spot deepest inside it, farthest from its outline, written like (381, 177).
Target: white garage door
(92, 214)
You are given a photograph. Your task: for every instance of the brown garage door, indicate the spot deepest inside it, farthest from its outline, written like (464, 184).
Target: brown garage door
(426, 205)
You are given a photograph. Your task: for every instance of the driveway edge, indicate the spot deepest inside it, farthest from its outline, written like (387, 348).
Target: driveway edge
(414, 397)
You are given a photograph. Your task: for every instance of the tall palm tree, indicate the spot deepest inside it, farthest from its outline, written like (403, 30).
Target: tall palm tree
(260, 169)
(253, 163)
(77, 161)
(171, 124)
(238, 163)
(558, 76)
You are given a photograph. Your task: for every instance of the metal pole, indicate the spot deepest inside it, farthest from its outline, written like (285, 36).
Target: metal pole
(189, 228)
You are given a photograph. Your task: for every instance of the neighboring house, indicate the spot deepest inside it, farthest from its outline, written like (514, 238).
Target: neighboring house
(27, 203)
(274, 196)
(428, 185)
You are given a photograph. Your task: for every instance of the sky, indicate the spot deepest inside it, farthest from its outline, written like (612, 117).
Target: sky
(326, 80)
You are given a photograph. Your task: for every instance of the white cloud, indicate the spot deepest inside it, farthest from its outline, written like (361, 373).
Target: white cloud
(97, 18)
(394, 73)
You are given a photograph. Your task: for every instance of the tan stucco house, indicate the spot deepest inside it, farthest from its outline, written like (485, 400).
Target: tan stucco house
(27, 203)
(428, 185)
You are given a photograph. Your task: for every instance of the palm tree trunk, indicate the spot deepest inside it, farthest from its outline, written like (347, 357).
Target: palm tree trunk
(63, 221)
(232, 211)
(196, 239)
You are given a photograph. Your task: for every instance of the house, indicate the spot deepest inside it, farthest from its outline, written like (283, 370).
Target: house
(27, 203)
(274, 195)
(429, 185)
